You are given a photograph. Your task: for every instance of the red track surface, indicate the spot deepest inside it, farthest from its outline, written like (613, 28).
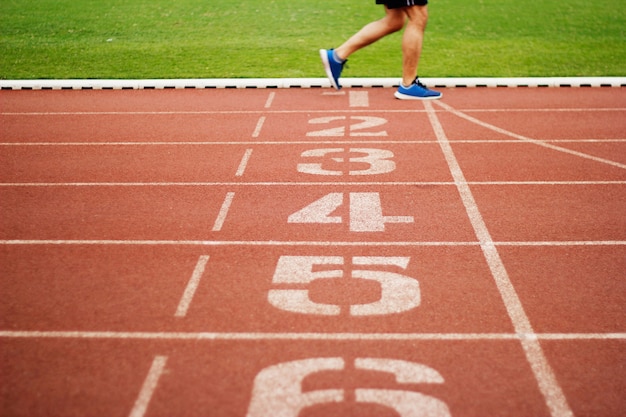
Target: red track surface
(308, 252)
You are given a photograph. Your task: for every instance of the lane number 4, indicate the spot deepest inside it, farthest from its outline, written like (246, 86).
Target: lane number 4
(366, 213)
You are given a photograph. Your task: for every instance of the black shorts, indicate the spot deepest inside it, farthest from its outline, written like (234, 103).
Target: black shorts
(396, 4)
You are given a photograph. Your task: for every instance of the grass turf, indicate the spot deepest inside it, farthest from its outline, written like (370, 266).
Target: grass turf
(280, 38)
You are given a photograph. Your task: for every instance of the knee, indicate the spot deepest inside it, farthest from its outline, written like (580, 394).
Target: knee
(418, 16)
(394, 23)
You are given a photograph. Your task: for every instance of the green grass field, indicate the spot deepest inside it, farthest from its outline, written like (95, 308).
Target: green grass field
(280, 38)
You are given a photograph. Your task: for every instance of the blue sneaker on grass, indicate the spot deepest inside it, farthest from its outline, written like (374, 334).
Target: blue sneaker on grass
(417, 91)
(332, 66)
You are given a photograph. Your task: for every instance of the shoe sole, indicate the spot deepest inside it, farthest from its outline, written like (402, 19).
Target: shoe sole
(329, 73)
(401, 96)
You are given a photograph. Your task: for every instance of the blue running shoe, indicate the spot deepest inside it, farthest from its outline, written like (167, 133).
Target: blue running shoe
(417, 91)
(332, 67)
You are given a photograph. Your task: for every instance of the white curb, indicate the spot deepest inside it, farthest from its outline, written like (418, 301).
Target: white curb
(307, 83)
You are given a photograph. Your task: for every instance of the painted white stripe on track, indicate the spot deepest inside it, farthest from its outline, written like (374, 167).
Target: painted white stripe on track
(304, 111)
(270, 100)
(241, 143)
(221, 217)
(112, 242)
(149, 386)
(548, 384)
(546, 110)
(33, 334)
(259, 126)
(299, 184)
(529, 140)
(359, 99)
(311, 142)
(192, 286)
(244, 163)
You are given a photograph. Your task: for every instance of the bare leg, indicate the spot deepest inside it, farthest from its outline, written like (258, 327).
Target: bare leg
(370, 33)
(412, 40)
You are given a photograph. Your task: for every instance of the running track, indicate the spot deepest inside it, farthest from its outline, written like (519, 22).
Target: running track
(285, 252)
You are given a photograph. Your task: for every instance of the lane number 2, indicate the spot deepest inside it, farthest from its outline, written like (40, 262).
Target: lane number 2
(358, 126)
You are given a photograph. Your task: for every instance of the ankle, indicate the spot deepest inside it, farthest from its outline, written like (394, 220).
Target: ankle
(337, 58)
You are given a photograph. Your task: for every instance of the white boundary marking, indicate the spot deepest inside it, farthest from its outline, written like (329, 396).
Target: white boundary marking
(359, 99)
(527, 139)
(310, 83)
(114, 242)
(270, 100)
(548, 384)
(35, 334)
(281, 184)
(192, 286)
(312, 142)
(259, 126)
(221, 217)
(149, 386)
(244, 163)
(305, 111)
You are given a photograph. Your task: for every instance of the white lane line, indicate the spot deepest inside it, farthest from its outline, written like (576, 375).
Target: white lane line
(270, 100)
(59, 242)
(192, 286)
(565, 243)
(244, 163)
(259, 126)
(112, 242)
(149, 386)
(529, 140)
(320, 142)
(291, 184)
(33, 334)
(548, 384)
(221, 217)
(211, 184)
(306, 111)
(359, 99)
(547, 110)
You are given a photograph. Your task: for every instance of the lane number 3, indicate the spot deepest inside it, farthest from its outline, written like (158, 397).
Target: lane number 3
(377, 161)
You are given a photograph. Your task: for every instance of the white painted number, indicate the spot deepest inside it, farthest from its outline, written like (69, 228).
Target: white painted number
(366, 213)
(277, 389)
(399, 293)
(359, 126)
(378, 161)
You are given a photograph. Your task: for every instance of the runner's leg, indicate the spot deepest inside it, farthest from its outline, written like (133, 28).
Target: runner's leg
(412, 41)
(370, 33)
